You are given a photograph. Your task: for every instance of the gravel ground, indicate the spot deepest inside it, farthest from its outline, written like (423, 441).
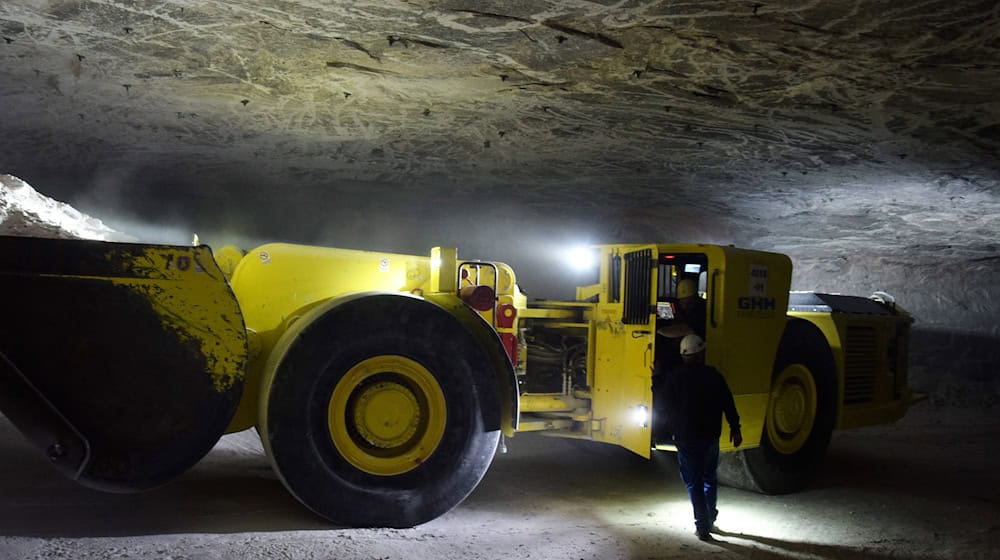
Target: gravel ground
(922, 488)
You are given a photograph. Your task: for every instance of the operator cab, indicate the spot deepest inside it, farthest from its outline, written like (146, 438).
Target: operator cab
(677, 310)
(680, 309)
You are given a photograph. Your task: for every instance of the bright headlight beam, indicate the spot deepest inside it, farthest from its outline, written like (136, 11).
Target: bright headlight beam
(581, 258)
(640, 415)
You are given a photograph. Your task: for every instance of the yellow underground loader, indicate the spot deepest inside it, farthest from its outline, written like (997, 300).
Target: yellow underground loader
(380, 384)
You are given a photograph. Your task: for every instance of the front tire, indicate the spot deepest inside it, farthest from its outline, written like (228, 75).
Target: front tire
(801, 413)
(373, 416)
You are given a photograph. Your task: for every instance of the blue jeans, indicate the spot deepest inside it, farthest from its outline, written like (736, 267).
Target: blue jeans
(699, 463)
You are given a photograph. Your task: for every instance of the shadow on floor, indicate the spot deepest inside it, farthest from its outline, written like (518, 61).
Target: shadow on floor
(767, 548)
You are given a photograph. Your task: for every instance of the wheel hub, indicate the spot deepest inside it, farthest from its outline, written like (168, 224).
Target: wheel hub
(792, 409)
(387, 415)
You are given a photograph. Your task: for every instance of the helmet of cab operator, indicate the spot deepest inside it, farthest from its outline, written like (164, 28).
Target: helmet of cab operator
(686, 288)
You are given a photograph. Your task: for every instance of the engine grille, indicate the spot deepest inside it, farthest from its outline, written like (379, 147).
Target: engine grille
(861, 364)
(899, 353)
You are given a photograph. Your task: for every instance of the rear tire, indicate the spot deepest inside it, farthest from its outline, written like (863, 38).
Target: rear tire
(373, 415)
(801, 413)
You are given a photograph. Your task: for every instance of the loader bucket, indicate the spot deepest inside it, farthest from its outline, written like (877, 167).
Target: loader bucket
(123, 363)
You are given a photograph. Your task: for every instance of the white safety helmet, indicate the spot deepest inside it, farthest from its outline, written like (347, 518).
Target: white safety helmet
(691, 344)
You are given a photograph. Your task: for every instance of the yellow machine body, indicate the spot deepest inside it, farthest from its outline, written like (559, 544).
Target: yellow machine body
(276, 284)
(746, 294)
(741, 335)
(377, 379)
(870, 353)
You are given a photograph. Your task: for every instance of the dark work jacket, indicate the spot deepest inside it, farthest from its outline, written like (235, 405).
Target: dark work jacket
(695, 396)
(697, 318)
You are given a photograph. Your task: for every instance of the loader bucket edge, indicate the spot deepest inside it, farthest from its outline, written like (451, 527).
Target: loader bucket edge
(123, 362)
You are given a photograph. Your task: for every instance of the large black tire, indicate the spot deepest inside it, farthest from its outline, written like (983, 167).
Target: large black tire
(801, 413)
(374, 418)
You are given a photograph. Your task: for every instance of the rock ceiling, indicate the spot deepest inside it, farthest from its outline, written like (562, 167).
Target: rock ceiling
(779, 124)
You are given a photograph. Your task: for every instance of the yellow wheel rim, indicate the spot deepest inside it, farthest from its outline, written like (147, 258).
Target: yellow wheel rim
(387, 415)
(792, 409)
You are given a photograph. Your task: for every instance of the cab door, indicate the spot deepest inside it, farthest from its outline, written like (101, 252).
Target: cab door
(623, 360)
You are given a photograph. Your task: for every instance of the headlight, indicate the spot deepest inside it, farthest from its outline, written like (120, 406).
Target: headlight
(581, 258)
(640, 415)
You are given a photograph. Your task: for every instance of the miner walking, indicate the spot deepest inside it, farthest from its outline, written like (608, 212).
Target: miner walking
(695, 397)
